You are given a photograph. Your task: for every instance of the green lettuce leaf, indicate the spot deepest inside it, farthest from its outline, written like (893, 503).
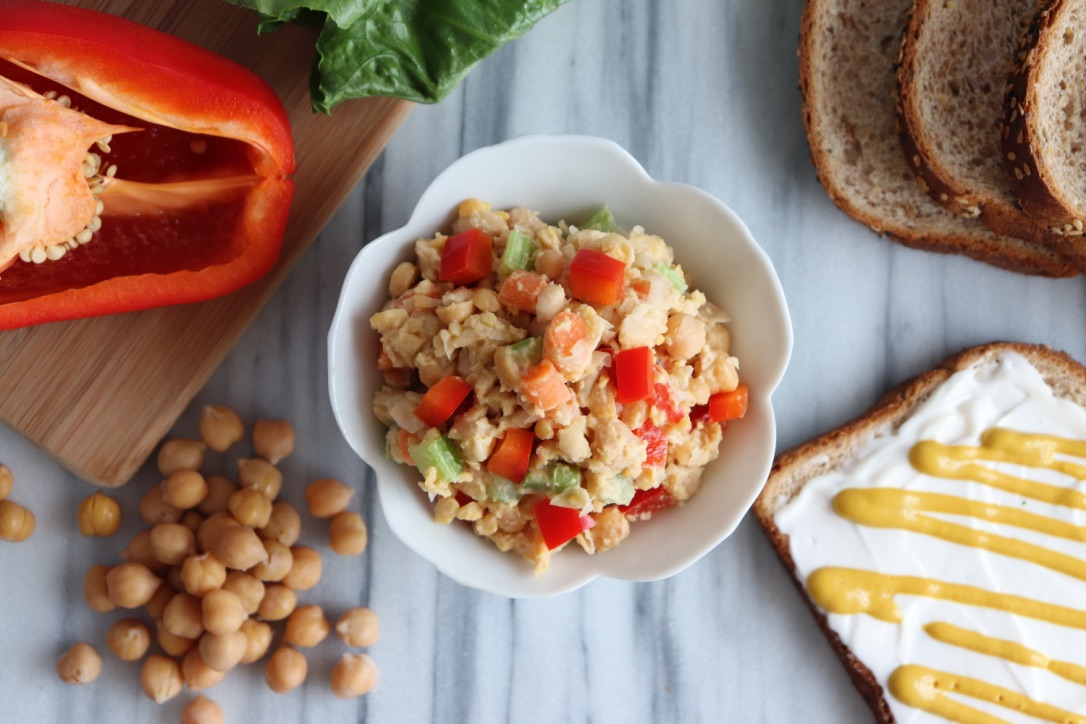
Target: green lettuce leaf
(418, 50)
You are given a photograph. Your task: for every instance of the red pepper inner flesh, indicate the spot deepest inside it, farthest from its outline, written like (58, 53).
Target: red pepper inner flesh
(139, 233)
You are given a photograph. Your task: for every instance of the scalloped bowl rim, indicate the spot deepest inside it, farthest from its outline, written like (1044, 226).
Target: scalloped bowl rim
(569, 177)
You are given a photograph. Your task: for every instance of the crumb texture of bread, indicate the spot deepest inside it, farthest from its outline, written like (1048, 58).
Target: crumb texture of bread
(848, 51)
(931, 597)
(955, 61)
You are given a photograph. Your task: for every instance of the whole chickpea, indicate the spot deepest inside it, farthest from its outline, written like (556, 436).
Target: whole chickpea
(129, 639)
(306, 627)
(80, 664)
(261, 475)
(353, 675)
(284, 525)
(285, 670)
(223, 653)
(250, 507)
(202, 573)
(347, 534)
(154, 509)
(138, 550)
(219, 490)
(16, 522)
(327, 496)
(358, 627)
(202, 710)
(192, 519)
(197, 674)
(208, 532)
(220, 427)
(7, 481)
(258, 636)
(239, 548)
(280, 560)
(273, 440)
(157, 604)
(131, 585)
(306, 569)
(95, 590)
(184, 489)
(278, 602)
(184, 616)
(223, 612)
(248, 588)
(172, 543)
(180, 454)
(161, 678)
(171, 644)
(99, 515)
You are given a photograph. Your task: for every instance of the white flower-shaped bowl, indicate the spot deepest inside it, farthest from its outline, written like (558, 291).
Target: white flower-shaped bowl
(569, 177)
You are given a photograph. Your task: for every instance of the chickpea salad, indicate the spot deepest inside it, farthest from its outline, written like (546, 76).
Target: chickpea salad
(552, 382)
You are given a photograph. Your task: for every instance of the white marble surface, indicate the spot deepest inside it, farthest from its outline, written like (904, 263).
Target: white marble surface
(700, 91)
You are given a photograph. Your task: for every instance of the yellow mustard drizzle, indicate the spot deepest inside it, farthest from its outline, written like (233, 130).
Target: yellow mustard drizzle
(927, 689)
(1016, 653)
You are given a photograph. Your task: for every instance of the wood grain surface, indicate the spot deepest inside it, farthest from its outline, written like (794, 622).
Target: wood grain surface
(98, 394)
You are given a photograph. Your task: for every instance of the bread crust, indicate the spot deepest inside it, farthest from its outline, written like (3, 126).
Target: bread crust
(1029, 173)
(970, 238)
(796, 467)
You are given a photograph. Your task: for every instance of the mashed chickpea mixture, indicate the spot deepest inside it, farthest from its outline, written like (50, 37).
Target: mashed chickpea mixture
(552, 383)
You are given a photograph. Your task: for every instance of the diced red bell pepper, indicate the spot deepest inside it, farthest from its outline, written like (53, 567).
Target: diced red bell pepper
(441, 400)
(633, 374)
(596, 278)
(647, 502)
(661, 400)
(731, 405)
(202, 151)
(513, 455)
(466, 257)
(559, 525)
(656, 444)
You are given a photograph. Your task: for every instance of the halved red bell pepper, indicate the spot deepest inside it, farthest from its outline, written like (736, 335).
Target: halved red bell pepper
(441, 400)
(513, 455)
(559, 525)
(193, 189)
(466, 257)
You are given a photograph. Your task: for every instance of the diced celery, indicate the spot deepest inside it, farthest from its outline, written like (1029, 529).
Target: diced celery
(501, 489)
(440, 453)
(603, 220)
(554, 479)
(673, 276)
(566, 477)
(530, 348)
(519, 248)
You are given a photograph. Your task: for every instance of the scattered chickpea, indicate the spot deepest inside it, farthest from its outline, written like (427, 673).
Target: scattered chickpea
(248, 588)
(192, 519)
(223, 653)
(154, 509)
(278, 602)
(138, 550)
(157, 604)
(220, 427)
(258, 636)
(223, 612)
(327, 496)
(16, 522)
(238, 547)
(353, 675)
(306, 627)
(202, 574)
(197, 674)
(180, 454)
(219, 490)
(285, 670)
(208, 532)
(250, 507)
(172, 543)
(129, 639)
(99, 515)
(347, 534)
(284, 525)
(131, 585)
(7, 481)
(358, 627)
(80, 664)
(202, 710)
(95, 590)
(184, 616)
(273, 440)
(306, 570)
(261, 475)
(280, 560)
(171, 644)
(161, 678)
(184, 489)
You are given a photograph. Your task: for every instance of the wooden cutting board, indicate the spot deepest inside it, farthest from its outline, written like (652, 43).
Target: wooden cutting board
(98, 394)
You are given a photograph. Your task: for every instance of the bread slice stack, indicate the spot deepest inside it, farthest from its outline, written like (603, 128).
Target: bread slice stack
(938, 539)
(940, 184)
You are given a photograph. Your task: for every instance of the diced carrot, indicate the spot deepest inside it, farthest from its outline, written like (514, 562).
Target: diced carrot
(565, 342)
(406, 440)
(544, 386)
(521, 290)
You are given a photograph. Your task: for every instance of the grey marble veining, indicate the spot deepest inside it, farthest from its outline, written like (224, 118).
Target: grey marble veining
(702, 92)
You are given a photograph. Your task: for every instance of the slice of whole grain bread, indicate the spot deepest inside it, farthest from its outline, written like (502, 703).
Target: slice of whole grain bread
(1044, 139)
(796, 467)
(848, 49)
(956, 58)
